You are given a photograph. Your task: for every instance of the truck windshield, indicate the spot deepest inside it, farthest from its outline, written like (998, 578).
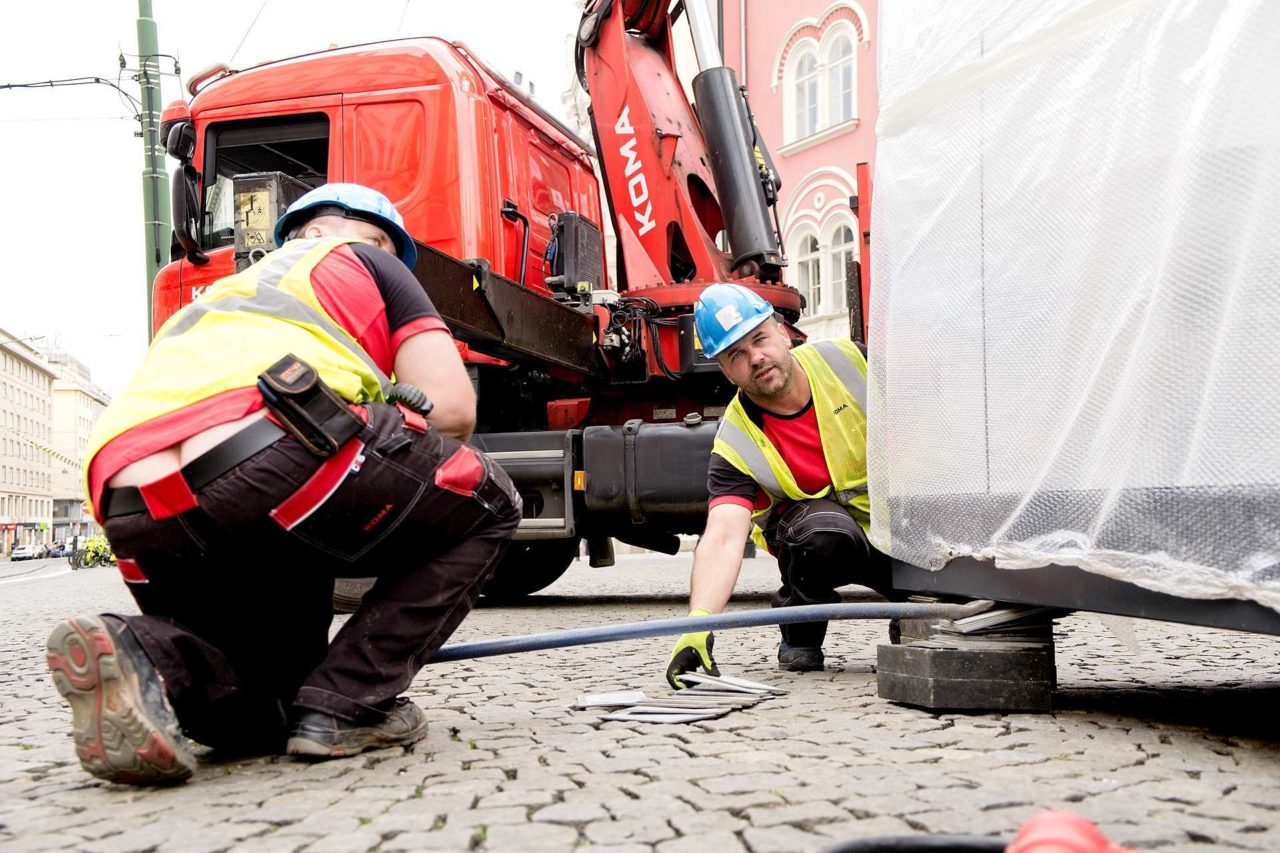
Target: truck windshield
(297, 145)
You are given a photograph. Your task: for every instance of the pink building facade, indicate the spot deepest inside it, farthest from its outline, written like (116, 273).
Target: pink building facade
(810, 71)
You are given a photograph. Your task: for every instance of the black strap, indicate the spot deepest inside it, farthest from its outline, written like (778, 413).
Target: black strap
(307, 408)
(205, 468)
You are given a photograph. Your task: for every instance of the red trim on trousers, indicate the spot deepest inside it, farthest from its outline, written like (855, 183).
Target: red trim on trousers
(166, 431)
(323, 483)
(412, 420)
(461, 473)
(131, 571)
(168, 496)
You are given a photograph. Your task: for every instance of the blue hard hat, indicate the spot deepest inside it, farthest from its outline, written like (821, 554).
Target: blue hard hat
(725, 313)
(357, 202)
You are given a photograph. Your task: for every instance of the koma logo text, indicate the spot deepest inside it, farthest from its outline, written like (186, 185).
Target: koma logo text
(637, 186)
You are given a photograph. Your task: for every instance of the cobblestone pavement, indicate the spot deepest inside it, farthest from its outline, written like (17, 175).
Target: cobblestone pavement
(1164, 735)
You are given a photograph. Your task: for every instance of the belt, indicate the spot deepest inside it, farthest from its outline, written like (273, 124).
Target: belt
(204, 469)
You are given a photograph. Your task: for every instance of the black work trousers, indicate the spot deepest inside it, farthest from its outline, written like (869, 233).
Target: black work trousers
(819, 547)
(237, 597)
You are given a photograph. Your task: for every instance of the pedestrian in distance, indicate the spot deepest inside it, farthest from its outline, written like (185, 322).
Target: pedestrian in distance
(259, 452)
(788, 468)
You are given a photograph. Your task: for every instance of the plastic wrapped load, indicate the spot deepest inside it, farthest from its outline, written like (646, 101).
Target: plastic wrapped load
(1075, 318)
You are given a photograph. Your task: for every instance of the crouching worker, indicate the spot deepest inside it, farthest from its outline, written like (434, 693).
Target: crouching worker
(253, 458)
(790, 462)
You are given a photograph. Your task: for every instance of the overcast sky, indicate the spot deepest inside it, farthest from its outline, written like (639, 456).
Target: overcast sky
(70, 166)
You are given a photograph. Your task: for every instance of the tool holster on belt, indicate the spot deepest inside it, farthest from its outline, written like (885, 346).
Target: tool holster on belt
(308, 409)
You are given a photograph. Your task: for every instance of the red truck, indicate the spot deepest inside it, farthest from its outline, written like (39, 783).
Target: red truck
(593, 393)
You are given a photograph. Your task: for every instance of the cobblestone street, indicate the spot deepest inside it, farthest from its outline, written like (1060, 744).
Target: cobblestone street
(1164, 735)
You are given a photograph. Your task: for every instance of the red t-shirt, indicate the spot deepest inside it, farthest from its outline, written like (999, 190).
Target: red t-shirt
(367, 291)
(797, 441)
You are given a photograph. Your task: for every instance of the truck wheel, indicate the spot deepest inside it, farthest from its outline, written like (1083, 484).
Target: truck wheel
(529, 566)
(349, 592)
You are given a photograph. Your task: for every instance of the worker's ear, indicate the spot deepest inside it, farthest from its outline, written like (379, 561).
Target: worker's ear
(781, 329)
(322, 226)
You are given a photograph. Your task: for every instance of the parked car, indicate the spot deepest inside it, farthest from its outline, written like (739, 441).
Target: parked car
(27, 552)
(56, 550)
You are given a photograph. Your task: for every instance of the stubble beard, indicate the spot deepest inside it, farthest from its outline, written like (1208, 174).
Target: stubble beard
(772, 385)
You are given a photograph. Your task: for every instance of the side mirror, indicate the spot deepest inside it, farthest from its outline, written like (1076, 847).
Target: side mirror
(185, 206)
(181, 141)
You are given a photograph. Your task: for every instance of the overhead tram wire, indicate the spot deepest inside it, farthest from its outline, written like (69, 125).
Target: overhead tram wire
(119, 74)
(177, 63)
(73, 81)
(403, 12)
(132, 118)
(143, 73)
(252, 23)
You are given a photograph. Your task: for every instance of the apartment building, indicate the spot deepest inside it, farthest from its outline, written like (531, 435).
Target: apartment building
(809, 67)
(77, 403)
(26, 458)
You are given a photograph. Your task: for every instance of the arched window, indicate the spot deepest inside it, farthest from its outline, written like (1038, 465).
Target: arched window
(843, 250)
(840, 89)
(820, 81)
(809, 274)
(806, 94)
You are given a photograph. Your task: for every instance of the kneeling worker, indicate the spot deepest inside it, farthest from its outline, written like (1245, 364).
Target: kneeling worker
(789, 467)
(254, 457)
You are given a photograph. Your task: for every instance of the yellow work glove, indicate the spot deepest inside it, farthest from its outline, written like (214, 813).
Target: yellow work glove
(692, 650)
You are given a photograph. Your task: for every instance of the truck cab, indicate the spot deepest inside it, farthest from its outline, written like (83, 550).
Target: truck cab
(476, 168)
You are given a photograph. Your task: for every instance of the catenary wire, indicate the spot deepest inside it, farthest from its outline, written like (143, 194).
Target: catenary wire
(236, 52)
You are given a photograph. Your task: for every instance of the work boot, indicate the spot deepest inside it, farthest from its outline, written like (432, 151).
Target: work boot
(123, 725)
(800, 658)
(320, 735)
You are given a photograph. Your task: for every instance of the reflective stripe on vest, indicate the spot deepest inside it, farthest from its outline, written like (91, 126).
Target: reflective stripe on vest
(270, 300)
(847, 495)
(734, 436)
(849, 375)
(838, 384)
(761, 472)
(240, 326)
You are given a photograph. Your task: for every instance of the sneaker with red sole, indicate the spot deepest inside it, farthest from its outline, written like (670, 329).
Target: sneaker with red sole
(124, 728)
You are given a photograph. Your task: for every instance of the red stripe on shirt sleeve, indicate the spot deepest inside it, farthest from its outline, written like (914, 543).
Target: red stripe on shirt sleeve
(347, 292)
(736, 500)
(413, 327)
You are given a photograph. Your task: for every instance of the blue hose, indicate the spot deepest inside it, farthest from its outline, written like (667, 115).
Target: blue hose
(716, 622)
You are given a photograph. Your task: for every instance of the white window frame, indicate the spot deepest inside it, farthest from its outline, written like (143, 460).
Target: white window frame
(821, 52)
(829, 66)
(833, 274)
(807, 48)
(815, 288)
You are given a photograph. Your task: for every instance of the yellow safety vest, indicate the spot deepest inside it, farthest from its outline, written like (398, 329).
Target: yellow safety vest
(239, 327)
(837, 375)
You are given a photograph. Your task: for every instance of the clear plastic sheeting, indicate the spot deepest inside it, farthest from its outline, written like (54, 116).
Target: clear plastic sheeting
(1075, 319)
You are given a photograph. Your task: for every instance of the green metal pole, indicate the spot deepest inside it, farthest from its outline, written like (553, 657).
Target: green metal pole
(155, 179)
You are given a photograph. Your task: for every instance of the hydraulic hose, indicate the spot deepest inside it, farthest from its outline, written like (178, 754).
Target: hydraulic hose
(716, 622)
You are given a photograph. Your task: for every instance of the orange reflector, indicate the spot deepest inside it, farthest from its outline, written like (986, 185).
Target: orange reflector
(579, 481)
